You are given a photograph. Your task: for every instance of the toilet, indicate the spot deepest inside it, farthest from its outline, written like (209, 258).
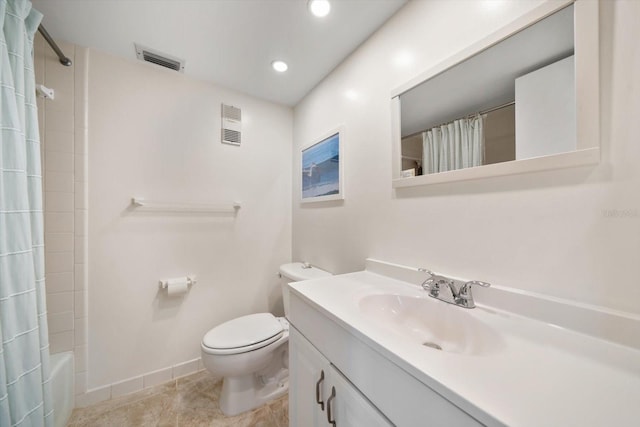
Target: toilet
(251, 352)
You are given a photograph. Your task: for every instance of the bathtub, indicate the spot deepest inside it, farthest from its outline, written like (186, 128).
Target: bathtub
(62, 387)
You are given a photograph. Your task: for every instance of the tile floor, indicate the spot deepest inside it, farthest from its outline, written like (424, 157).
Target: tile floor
(190, 401)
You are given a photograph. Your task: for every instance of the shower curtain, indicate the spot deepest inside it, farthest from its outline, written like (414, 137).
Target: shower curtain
(25, 395)
(456, 145)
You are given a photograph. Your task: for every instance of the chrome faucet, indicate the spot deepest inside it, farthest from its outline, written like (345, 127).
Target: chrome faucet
(450, 290)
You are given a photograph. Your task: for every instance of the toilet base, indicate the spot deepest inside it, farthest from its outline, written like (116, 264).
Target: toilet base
(252, 378)
(243, 393)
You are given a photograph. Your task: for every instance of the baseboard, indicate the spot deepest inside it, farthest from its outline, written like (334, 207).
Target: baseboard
(137, 383)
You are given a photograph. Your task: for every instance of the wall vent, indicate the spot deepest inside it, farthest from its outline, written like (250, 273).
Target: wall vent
(231, 125)
(162, 59)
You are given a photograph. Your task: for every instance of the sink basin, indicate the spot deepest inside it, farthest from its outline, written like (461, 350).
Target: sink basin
(433, 324)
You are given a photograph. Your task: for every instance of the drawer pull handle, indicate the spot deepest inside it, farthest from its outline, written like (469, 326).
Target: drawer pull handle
(319, 400)
(329, 415)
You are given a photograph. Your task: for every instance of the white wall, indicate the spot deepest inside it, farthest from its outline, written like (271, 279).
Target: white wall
(154, 133)
(571, 233)
(545, 110)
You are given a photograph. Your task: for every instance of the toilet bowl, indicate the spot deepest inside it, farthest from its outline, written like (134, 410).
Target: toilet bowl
(251, 352)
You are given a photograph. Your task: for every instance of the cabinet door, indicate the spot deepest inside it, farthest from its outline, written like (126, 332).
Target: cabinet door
(348, 407)
(313, 379)
(306, 368)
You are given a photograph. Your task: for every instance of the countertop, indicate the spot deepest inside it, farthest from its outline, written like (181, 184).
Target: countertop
(530, 374)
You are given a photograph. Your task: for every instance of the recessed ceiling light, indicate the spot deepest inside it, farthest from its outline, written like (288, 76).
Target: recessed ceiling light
(279, 66)
(319, 8)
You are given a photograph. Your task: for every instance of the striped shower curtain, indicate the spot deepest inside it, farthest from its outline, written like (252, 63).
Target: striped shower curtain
(25, 395)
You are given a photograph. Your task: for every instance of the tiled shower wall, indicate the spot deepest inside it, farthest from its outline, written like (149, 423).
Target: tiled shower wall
(63, 135)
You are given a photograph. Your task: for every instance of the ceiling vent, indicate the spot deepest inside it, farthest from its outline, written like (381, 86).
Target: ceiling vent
(231, 125)
(159, 58)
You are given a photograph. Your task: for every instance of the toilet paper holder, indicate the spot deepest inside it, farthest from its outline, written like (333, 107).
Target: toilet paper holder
(190, 280)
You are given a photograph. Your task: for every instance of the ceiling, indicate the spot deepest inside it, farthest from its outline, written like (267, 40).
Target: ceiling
(228, 42)
(487, 79)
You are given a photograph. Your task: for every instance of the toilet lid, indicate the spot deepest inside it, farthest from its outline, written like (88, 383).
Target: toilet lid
(244, 331)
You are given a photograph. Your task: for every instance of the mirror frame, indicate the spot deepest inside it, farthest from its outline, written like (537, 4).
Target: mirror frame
(587, 80)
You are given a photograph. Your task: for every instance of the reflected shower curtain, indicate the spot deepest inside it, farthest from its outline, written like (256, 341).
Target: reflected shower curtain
(25, 396)
(456, 145)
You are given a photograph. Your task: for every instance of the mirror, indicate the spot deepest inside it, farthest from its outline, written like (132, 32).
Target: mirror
(511, 103)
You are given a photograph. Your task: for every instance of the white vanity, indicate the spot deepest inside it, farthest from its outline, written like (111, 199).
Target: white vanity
(371, 348)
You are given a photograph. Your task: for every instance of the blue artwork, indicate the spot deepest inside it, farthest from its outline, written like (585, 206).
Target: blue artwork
(321, 168)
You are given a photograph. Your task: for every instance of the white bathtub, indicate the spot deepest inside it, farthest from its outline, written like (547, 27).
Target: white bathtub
(62, 387)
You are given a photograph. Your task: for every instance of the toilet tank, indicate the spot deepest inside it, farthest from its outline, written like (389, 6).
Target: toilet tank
(297, 272)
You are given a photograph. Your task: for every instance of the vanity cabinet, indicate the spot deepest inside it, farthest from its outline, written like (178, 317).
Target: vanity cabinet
(371, 390)
(320, 395)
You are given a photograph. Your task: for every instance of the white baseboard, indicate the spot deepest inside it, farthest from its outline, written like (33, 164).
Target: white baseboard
(140, 382)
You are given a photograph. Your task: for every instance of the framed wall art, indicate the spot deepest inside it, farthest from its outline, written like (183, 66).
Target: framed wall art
(322, 168)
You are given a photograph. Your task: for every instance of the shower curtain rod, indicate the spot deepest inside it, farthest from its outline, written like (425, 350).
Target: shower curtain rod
(487, 111)
(63, 59)
(491, 110)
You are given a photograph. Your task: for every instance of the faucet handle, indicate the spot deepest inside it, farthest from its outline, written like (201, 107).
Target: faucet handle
(478, 283)
(427, 284)
(464, 297)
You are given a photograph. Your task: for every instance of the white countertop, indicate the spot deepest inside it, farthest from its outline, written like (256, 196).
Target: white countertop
(532, 373)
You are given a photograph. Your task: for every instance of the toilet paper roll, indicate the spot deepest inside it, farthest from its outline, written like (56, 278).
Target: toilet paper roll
(177, 287)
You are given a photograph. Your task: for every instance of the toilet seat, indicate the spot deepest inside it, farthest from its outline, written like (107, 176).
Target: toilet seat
(243, 334)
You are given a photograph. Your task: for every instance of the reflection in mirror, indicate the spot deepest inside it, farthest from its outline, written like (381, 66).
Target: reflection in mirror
(512, 101)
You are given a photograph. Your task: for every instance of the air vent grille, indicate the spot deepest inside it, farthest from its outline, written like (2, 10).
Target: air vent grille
(230, 136)
(231, 125)
(232, 113)
(159, 58)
